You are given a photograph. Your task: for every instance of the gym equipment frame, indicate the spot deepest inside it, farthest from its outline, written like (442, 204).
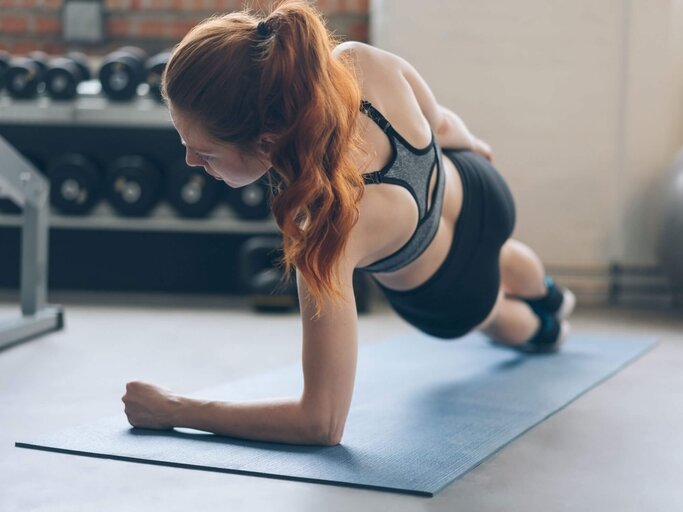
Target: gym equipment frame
(22, 183)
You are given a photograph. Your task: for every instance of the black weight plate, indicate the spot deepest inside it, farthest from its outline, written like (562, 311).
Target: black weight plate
(155, 69)
(133, 185)
(75, 184)
(81, 60)
(191, 191)
(41, 59)
(252, 201)
(62, 78)
(120, 74)
(257, 254)
(22, 78)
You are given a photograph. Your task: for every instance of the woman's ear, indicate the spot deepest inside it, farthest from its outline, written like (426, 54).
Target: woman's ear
(266, 143)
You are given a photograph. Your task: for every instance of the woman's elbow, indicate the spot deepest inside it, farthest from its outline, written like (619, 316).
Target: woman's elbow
(327, 439)
(327, 431)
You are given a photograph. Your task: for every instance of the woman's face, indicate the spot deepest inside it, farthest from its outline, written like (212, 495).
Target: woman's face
(221, 160)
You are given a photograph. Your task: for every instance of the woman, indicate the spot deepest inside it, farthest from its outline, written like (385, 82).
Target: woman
(352, 135)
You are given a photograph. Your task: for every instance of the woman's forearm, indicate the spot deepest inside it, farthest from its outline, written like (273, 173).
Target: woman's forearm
(278, 420)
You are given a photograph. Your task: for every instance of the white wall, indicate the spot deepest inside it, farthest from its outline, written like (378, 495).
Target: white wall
(582, 101)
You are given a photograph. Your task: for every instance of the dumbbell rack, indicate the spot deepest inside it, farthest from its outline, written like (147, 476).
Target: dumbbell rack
(213, 239)
(96, 111)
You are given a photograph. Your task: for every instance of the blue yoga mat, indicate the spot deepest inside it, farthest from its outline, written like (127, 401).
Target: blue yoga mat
(424, 413)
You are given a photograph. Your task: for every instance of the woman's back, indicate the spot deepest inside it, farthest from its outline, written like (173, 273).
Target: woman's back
(383, 83)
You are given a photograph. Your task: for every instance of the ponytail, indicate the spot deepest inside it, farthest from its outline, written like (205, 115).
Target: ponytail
(240, 76)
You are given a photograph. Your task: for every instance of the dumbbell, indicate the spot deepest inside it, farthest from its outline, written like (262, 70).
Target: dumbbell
(5, 59)
(25, 76)
(133, 185)
(155, 69)
(64, 74)
(262, 277)
(75, 183)
(190, 191)
(41, 58)
(252, 201)
(122, 71)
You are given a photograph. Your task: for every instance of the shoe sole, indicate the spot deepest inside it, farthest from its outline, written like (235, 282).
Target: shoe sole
(568, 305)
(565, 329)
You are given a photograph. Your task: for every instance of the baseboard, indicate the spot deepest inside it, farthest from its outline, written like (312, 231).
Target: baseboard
(619, 284)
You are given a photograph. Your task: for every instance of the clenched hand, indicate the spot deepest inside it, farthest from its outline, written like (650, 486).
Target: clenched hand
(149, 406)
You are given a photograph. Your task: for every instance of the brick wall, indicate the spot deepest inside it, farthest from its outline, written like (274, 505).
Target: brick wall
(27, 25)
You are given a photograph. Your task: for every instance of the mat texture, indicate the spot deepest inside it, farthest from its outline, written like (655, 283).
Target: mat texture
(424, 413)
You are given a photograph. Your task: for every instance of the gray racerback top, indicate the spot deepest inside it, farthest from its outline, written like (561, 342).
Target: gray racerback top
(410, 168)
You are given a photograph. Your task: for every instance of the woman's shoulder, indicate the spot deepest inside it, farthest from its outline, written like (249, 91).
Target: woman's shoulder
(352, 48)
(382, 78)
(372, 62)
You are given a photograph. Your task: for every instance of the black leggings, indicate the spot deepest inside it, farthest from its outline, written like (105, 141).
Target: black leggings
(462, 292)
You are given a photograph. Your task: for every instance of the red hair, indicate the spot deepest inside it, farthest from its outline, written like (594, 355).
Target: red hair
(240, 78)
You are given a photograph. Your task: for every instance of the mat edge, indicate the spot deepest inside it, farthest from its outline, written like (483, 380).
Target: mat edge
(29, 446)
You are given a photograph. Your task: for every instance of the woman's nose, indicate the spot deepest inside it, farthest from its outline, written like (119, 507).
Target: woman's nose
(191, 159)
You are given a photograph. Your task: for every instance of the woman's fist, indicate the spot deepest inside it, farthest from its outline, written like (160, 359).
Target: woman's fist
(149, 406)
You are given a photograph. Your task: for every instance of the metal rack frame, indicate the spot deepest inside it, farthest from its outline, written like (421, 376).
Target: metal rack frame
(22, 183)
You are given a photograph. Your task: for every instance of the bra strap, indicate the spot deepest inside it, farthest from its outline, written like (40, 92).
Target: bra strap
(367, 108)
(372, 178)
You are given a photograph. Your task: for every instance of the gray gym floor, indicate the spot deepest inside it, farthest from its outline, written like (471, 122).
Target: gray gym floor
(619, 447)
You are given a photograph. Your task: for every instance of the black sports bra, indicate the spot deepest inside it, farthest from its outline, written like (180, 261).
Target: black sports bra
(412, 169)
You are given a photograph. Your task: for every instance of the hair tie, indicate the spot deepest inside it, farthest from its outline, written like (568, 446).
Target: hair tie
(263, 29)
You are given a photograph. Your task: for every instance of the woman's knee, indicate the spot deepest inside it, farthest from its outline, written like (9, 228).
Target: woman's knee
(511, 252)
(521, 270)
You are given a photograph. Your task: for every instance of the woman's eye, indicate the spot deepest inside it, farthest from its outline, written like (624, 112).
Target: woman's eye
(202, 157)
